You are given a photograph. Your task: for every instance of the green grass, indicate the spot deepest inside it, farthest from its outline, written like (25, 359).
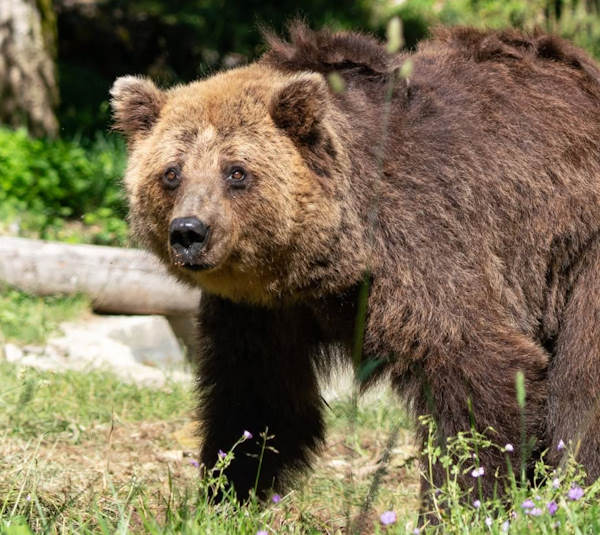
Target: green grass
(85, 453)
(28, 319)
(36, 403)
(56, 436)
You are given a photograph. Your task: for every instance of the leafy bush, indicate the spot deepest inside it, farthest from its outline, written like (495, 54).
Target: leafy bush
(576, 20)
(46, 185)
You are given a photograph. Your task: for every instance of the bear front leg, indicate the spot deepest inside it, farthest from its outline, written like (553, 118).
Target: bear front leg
(256, 373)
(474, 384)
(574, 374)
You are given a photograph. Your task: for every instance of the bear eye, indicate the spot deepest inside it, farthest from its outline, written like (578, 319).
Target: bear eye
(171, 178)
(237, 174)
(236, 177)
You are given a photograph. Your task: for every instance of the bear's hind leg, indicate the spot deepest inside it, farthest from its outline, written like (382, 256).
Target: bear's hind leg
(574, 374)
(473, 383)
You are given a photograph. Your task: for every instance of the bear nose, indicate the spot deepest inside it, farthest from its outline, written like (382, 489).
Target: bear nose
(186, 232)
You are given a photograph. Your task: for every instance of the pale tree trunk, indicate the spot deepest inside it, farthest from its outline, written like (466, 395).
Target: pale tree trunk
(28, 90)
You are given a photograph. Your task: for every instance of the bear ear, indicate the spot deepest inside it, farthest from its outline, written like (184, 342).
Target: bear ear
(136, 103)
(299, 106)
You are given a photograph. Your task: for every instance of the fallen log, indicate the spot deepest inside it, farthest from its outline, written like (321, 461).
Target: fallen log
(122, 281)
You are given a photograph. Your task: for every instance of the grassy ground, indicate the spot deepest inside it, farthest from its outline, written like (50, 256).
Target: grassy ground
(27, 319)
(86, 453)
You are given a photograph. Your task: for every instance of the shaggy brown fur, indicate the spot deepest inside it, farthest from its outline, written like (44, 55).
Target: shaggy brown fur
(472, 198)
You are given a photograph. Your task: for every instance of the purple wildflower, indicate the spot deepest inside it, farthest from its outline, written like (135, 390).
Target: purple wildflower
(478, 472)
(536, 511)
(509, 448)
(477, 504)
(247, 435)
(387, 518)
(262, 532)
(28, 497)
(416, 531)
(575, 493)
(505, 525)
(552, 508)
(221, 454)
(556, 483)
(561, 445)
(488, 521)
(528, 504)
(276, 498)
(194, 463)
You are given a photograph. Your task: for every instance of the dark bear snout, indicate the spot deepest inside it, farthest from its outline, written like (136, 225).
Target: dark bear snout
(188, 236)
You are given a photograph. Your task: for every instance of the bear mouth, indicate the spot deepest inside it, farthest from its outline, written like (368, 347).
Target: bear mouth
(204, 266)
(191, 263)
(190, 258)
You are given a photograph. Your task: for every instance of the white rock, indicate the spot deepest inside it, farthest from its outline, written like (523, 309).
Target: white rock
(12, 353)
(121, 341)
(338, 463)
(170, 456)
(44, 362)
(137, 349)
(150, 338)
(33, 350)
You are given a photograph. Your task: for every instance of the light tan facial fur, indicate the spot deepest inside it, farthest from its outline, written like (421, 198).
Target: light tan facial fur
(204, 127)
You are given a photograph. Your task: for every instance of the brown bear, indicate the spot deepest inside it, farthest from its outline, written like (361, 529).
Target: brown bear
(466, 195)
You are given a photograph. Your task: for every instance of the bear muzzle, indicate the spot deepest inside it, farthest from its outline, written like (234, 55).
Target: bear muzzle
(188, 238)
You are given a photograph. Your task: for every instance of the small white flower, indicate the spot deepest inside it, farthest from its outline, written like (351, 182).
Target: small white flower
(478, 472)
(488, 521)
(509, 448)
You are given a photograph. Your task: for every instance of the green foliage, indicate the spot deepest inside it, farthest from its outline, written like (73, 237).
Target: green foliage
(580, 22)
(45, 405)
(28, 319)
(44, 183)
(576, 20)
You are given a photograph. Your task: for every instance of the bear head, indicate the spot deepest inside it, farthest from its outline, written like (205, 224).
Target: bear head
(239, 182)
